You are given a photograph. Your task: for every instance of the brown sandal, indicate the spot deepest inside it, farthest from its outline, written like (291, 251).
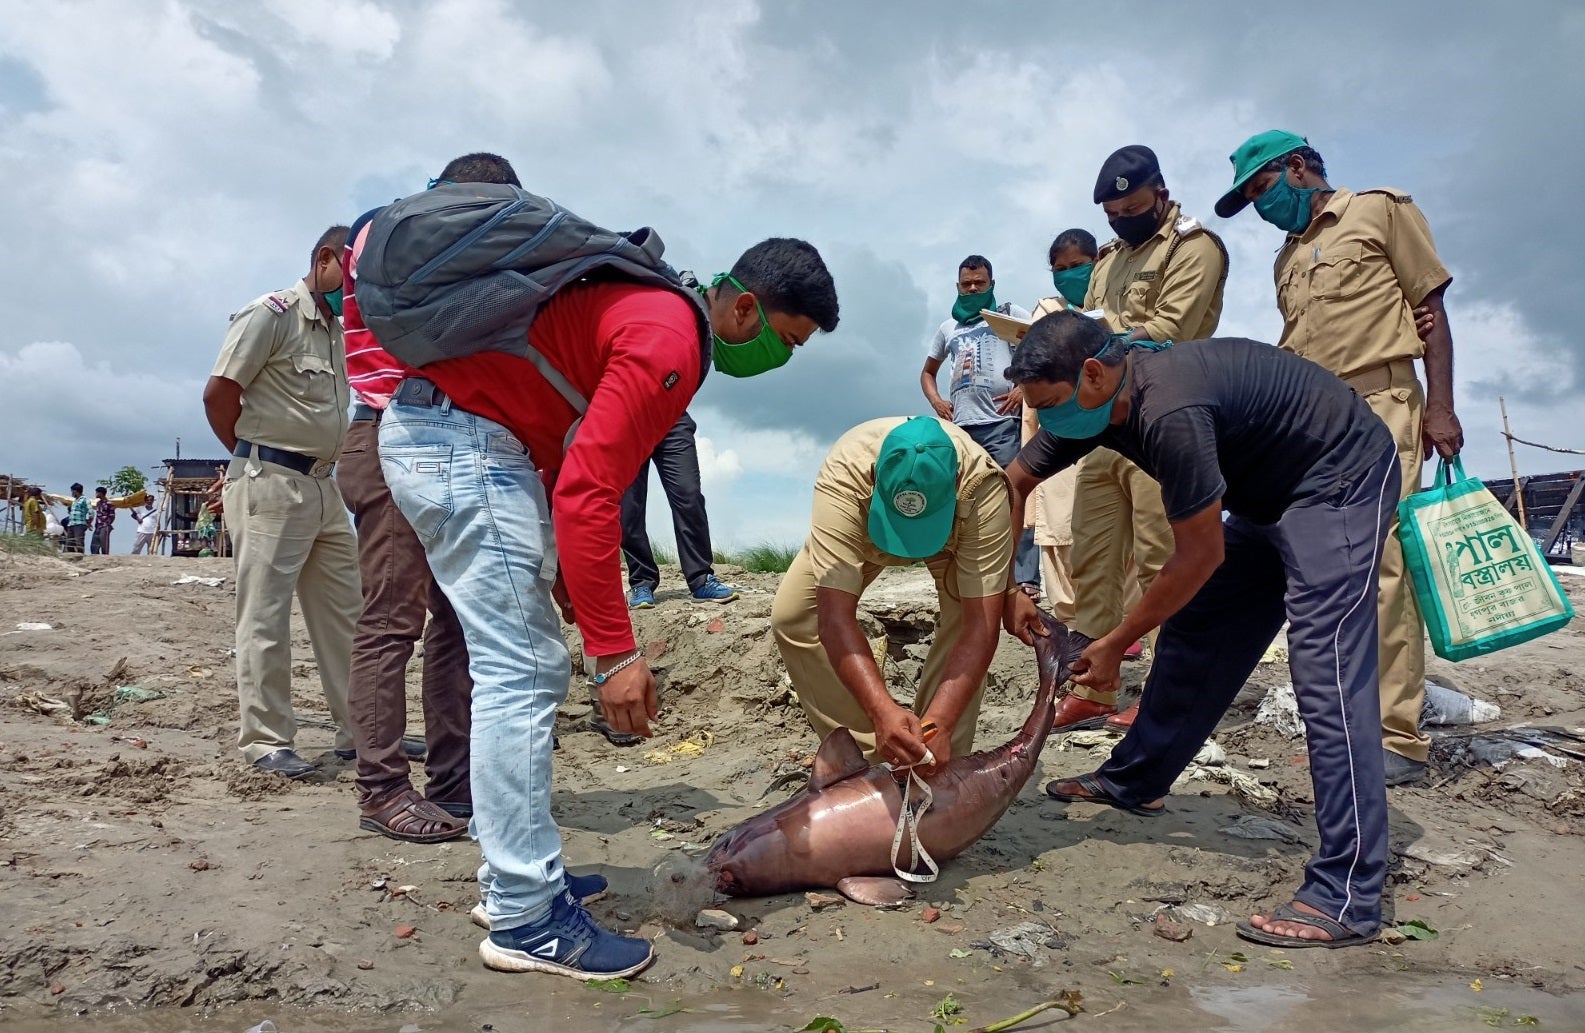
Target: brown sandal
(409, 817)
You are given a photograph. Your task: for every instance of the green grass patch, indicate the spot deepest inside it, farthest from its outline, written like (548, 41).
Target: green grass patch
(766, 558)
(27, 545)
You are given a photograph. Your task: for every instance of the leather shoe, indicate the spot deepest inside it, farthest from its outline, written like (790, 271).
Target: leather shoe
(414, 748)
(1074, 713)
(1124, 721)
(286, 763)
(1400, 770)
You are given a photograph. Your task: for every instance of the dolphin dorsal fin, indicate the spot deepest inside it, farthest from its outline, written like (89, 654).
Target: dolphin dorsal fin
(839, 757)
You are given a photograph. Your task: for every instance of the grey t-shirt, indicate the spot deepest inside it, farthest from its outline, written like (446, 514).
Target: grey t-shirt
(975, 359)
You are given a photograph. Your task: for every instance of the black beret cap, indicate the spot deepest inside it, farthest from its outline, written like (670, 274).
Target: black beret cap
(1128, 169)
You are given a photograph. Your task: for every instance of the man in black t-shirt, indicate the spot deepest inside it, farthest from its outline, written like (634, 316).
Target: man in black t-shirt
(1309, 478)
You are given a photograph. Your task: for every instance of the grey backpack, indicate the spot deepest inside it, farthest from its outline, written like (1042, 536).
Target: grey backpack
(465, 267)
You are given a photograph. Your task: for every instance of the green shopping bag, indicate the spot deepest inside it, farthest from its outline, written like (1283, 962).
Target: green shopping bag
(1481, 582)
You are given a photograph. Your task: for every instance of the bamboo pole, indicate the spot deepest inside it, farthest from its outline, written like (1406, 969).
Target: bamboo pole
(1513, 465)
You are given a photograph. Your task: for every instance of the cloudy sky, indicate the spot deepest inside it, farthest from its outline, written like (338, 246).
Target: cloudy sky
(164, 162)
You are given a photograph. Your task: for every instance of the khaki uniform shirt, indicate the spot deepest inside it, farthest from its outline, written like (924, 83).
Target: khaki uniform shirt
(977, 553)
(1348, 284)
(292, 366)
(1180, 300)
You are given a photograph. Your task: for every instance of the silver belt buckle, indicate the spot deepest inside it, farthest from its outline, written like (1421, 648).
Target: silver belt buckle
(322, 468)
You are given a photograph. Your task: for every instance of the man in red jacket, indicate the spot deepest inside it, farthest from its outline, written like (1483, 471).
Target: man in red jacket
(513, 515)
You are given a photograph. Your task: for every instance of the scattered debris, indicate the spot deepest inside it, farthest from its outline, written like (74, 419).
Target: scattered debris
(714, 918)
(1256, 826)
(821, 901)
(1167, 929)
(1211, 754)
(1447, 706)
(34, 626)
(931, 914)
(405, 932)
(1258, 763)
(1461, 862)
(1279, 711)
(1205, 914)
(1026, 939)
(207, 582)
(750, 938)
(1245, 787)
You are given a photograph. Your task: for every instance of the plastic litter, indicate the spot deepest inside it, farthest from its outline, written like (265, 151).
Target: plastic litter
(137, 694)
(1445, 706)
(1211, 754)
(1256, 826)
(1205, 914)
(210, 582)
(1245, 787)
(34, 626)
(1026, 939)
(264, 1027)
(1279, 711)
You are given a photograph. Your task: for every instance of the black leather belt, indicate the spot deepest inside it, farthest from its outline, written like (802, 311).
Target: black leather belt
(362, 413)
(420, 392)
(294, 461)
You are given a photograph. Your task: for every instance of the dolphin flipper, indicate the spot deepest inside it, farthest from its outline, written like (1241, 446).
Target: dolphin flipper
(875, 890)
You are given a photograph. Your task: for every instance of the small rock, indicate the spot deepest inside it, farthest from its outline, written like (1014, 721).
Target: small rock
(1392, 937)
(950, 928)
(624, 916)
(750, 938)
(1259, 763)
(199, 865)
(821, 901)
(1037, 906)
(714, 918)
(716, 626)
(932, 914)
(366, 965)
(404, 932)
(1167, 929)
(57, 989)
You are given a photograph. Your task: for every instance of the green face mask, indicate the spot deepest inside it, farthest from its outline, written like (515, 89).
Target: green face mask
(1073, 283)
(333, 300)
(763, 353)
(967, 308)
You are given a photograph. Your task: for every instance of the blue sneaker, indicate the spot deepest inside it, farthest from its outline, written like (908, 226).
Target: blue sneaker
(713, 591)
(642, 597)
(567, 943)
(584, 888)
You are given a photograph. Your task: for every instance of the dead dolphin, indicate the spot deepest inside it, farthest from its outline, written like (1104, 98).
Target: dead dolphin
(837, 832)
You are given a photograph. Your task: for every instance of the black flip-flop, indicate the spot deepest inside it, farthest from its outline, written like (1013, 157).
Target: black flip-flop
(1094, 792)
(1341, 935)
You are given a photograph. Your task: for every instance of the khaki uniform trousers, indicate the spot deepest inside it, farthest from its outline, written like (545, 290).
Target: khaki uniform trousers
(1118, 519)
(825, 700)
(289, 533)
(1393, 392)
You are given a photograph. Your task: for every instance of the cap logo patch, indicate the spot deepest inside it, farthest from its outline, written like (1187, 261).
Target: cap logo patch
(909, 503)
(1122, 183)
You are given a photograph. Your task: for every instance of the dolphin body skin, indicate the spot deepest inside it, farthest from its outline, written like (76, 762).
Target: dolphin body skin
(837, 832)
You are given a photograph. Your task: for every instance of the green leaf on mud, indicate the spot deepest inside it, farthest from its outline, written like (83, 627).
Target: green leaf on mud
(959, 952)
(948, 1007)
(609, 986)
(1416, 930)
(825, 1024)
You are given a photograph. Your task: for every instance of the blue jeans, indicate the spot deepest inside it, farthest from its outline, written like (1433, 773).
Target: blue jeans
(1002, 440)
(471, 493)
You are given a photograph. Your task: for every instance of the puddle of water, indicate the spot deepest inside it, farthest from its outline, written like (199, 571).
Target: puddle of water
(1363, 1005)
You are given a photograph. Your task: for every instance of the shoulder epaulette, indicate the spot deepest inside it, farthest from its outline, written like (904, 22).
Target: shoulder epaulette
(1400, 196)
(277, 304)
(1108, 247)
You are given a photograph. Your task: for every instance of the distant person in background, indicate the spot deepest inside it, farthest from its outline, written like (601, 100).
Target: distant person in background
(980, 400)
(104, 519)
(148, 523)
(33, 512)
(78, 518)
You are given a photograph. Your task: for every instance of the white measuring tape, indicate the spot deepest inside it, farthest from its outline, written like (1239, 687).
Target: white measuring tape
(910, 817)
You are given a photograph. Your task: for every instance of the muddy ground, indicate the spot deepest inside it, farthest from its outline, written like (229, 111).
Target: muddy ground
(143, 866)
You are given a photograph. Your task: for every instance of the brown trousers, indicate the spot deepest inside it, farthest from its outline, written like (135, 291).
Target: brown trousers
(397, 592)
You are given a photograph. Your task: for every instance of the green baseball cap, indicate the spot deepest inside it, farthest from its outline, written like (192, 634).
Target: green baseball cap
(916, 490)
(1250, 158)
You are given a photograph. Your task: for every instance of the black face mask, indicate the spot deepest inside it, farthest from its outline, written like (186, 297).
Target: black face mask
(1136, 229)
